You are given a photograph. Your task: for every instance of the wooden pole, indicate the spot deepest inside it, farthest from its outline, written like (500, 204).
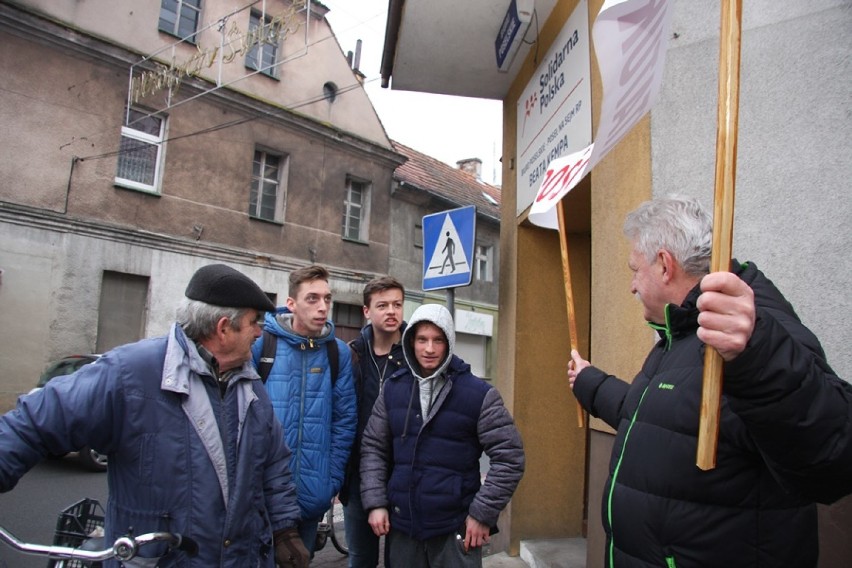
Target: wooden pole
(569, 294)
(723, 214)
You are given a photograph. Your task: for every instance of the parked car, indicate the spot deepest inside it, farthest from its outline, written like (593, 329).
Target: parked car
(67, 365)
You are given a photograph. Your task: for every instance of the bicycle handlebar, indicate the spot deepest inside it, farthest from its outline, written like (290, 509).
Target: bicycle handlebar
(125, 548)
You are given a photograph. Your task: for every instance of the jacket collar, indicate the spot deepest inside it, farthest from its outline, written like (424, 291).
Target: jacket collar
(682, 320)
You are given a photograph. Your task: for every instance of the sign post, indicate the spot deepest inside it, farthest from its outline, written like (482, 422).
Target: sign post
(448, 243)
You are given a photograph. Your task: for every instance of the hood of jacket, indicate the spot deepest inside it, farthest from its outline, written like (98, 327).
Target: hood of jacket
(435, 314)
(280, 323)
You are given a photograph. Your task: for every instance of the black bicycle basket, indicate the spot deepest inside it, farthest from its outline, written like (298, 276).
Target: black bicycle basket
(75, 524)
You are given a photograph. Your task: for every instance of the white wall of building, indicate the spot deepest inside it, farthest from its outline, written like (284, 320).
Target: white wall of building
(793, 208)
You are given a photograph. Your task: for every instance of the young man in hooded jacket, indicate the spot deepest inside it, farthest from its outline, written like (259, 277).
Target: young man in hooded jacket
(785, 437)
(316, 409)
(420, 453)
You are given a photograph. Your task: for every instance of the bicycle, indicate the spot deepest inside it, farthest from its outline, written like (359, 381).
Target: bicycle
(78, 541)
(330, 526)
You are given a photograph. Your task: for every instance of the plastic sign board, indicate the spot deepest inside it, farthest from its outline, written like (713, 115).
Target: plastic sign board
(448, 240)
(554, 111)
(512, 31)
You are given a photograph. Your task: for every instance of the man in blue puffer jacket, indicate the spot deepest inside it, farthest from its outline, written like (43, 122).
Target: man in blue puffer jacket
(194, 447)
(420, 453)
(319, 414)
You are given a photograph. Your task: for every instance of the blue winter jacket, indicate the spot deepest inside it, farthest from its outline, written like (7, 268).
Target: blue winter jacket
(182, 457)
(319, 421)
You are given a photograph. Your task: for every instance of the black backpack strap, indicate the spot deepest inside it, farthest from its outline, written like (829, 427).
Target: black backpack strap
(333, 359)
(267, 355)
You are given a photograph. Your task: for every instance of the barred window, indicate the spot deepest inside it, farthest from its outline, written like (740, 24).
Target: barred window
(140, 151)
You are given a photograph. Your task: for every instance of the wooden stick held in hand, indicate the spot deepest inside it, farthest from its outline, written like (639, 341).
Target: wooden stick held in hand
(723, 214)
(569, 295)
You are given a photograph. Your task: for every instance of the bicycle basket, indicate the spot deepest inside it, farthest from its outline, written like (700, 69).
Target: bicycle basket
(75, 524)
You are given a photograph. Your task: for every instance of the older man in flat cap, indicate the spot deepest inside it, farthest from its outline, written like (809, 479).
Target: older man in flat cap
(194, 447)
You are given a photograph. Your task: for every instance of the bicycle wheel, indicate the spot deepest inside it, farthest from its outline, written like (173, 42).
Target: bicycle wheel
(337, 530)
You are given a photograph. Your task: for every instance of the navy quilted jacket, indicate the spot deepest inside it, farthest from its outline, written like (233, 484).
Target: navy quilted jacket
(426, 472)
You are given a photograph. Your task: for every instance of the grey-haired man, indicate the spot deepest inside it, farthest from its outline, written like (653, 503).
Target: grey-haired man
(194, 447)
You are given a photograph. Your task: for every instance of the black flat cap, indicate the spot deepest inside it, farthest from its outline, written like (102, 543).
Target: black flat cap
(221, 285)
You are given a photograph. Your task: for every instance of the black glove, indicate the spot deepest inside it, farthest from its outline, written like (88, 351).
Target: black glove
(289, 550)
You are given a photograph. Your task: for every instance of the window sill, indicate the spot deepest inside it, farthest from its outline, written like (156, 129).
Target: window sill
(137, 188)
(269, 221)
(355, 241)
(267, 74)
(174, 35)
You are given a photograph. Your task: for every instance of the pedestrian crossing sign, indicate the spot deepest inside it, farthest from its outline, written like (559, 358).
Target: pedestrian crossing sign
(448, 240)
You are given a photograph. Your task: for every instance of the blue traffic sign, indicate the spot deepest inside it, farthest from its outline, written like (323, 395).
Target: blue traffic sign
(448, 241)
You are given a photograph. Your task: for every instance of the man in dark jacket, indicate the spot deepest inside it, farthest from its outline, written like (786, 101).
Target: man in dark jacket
(785, 437)
(420, 453)
(194, 447)
(377, 354)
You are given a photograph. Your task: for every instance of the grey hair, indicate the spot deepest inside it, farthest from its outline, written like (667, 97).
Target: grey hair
(199, 319)
(677, 224)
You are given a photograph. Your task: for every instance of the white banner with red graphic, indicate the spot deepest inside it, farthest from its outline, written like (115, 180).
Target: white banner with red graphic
(630, 40)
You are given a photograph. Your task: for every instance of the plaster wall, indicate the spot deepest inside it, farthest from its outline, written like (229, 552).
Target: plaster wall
(307, 61)
(792, 199)
(206, 170)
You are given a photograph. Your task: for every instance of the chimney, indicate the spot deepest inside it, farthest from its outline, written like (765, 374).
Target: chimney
(472, 166)
(356, 64)
(354, 61)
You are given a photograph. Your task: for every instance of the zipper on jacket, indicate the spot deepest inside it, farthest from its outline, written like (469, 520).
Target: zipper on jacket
(297, 470)
(611, 550)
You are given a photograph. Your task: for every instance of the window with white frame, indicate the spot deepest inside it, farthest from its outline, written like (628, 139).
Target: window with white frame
(262, 57)
(180, 18)
(355, 209)
(141, 150)
(483, 261)
(268, 185)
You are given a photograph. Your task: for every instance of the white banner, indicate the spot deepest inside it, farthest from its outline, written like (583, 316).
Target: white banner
(630, 39)
(554, 113)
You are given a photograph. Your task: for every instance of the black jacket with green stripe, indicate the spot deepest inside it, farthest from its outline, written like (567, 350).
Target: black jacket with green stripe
(785, 441)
